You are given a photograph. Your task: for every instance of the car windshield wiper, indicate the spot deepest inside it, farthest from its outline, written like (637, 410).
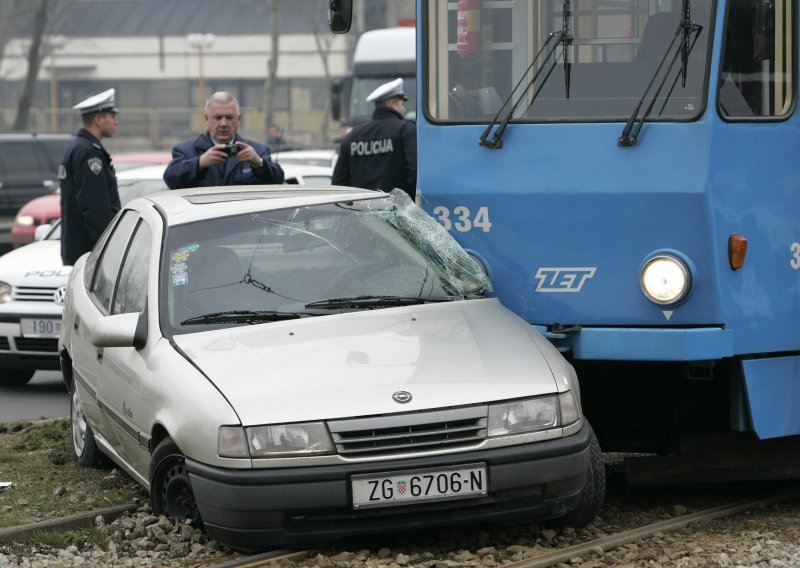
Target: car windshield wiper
(370, 302)
(243, 316)
(563, 37)
(685, 28)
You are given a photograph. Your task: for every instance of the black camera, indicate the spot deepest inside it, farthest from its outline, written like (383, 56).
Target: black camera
(231, 148)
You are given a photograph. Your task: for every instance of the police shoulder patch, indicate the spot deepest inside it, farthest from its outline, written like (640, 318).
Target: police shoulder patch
(95, 165)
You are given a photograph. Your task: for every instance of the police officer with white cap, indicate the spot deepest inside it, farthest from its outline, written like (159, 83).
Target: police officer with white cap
(381, 153)
(89, 195)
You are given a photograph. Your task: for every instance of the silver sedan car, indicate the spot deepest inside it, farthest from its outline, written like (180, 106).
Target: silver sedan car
(290, 366)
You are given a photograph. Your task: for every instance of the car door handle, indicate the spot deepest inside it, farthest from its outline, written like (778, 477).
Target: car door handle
(100, 355)
(76, 324)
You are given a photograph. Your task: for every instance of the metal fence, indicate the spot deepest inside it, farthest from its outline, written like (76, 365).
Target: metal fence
(161, 129)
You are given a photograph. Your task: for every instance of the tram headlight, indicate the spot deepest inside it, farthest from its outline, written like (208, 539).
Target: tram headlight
(665, 279)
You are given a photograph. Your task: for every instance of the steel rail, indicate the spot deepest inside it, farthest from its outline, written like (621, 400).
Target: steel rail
(563, 555)
(611, 542)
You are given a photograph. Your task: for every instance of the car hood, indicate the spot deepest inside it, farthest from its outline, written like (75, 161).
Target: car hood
(350, 364)
(36, 264)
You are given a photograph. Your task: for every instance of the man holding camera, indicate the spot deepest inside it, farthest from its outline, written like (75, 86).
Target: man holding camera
(220, 156)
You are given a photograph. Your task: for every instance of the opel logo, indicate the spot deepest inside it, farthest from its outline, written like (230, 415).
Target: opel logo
(60, 296)
(402, 397)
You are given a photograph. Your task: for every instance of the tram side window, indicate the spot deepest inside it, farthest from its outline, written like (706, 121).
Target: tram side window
(757, 72)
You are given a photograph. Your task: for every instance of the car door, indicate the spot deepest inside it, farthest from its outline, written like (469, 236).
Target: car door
(125, 389)
(92, 302)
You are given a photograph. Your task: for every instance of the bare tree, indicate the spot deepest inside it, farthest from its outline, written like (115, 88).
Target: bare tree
(16, 15)
(272, 62)
(323, 40)
(46, 14)
(35, 54)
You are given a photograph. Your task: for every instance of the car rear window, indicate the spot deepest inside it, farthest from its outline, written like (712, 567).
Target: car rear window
(24, 156)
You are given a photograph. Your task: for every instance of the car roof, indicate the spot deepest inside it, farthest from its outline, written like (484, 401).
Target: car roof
(150, 157)
(311, 157)
(34, 135)
(195, 204)
(143, 172)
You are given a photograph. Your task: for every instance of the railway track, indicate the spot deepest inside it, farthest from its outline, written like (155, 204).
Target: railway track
(563, 555)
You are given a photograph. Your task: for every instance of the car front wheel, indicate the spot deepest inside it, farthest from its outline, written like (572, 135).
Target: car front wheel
(170, 489)
(15, 377)
(591, 499)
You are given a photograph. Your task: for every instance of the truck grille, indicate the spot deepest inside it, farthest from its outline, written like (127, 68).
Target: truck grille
(35, 293)
(418, 431)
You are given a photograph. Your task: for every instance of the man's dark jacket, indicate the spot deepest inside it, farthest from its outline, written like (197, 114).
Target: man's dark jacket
(184, 171)
(89, 195)
(379, 154)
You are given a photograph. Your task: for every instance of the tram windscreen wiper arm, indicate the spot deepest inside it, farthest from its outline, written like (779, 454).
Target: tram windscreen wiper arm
(566, 42)
(628, 138)
(563, 37)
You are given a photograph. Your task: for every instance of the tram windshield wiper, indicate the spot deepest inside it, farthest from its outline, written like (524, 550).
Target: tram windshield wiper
(630, 133)
(563, 38)
(243, 316)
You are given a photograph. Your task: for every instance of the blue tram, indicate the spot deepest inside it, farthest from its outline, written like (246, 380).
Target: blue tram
(628, 173)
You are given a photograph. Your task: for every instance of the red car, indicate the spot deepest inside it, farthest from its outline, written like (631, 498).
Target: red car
(47, 208)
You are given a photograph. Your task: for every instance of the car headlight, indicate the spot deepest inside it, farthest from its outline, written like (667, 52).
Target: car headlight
(530, 415)
(665, 279)
(5, 292)
(24, 220)
(276, 440)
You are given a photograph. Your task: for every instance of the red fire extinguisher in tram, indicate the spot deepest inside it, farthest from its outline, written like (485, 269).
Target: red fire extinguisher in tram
(468, 28)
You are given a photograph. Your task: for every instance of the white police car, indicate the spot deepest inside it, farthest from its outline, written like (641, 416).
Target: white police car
(33, 285)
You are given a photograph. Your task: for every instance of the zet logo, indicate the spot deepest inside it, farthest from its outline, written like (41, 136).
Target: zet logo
(563, 279)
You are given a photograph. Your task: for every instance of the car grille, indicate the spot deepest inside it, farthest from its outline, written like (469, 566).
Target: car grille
(34, 293)
(418, 431)
(4, 344)
(48, 345)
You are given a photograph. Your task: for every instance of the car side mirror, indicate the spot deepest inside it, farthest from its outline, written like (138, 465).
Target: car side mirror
(41, 231)
(340, 15)
(121, 330)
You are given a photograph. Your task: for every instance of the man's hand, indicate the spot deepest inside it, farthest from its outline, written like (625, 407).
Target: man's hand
(213, 156)
(248, 154)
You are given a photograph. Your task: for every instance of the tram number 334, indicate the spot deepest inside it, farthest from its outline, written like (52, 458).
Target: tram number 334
(461, 218)
(795, 262)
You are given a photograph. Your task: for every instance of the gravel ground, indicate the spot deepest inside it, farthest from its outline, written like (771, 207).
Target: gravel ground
(769, 537)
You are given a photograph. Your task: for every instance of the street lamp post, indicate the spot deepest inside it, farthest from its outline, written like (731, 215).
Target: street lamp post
(200, 42)
(53, 43)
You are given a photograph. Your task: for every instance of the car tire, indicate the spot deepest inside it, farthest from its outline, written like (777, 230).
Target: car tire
(591, 498)
(170, 488)
(15, 377)
(83, 442)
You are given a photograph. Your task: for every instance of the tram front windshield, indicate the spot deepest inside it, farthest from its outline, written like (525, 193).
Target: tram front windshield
(478, 50)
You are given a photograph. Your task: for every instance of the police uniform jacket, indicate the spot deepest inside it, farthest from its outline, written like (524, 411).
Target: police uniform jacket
(89, 195)
(379, 154)
(184, 170)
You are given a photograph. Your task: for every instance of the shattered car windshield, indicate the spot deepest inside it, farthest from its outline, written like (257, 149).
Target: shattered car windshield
(365, 254)
(614, 50)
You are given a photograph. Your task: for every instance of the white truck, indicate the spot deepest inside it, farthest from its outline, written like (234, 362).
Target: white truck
(380, 56)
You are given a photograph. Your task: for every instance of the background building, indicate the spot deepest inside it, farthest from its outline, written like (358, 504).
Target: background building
(164, 57)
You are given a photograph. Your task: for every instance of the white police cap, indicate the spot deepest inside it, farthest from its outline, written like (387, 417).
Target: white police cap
(96, 103)
(387, 91)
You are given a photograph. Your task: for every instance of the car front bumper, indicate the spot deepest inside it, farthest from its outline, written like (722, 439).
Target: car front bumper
(254, 509)
(18, 352)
